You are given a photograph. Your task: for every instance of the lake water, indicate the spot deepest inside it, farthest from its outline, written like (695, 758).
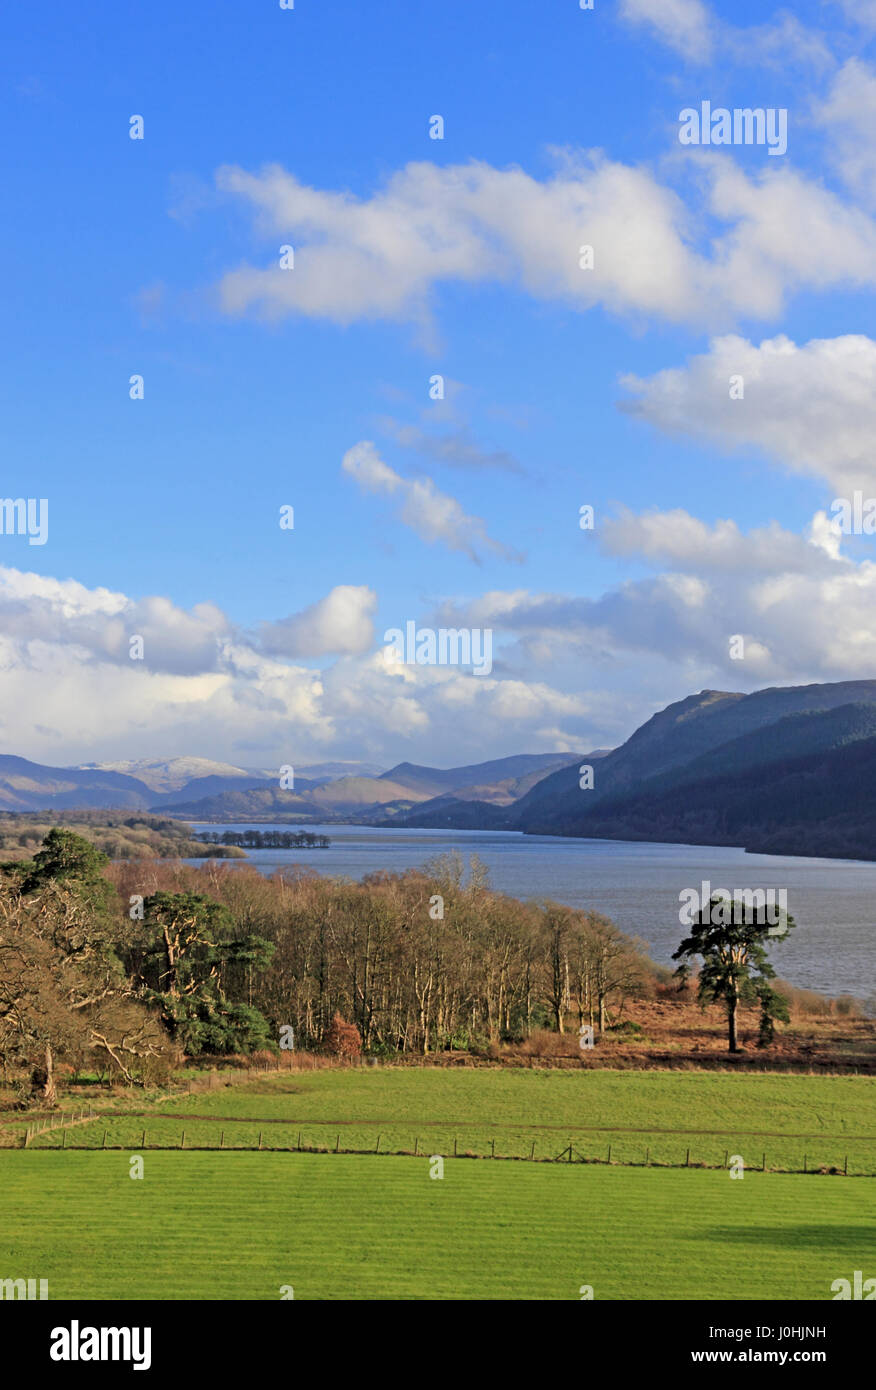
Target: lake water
(833, 901)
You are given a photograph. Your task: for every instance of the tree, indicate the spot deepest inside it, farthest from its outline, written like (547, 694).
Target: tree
(558, 937)
(610, 964)
(68, 858)
(63, 991)
(189, 948)
(730, 938)
(343, 1038)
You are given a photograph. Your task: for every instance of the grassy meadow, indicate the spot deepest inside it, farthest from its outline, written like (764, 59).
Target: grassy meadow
(657, 1116)
(243, 1226)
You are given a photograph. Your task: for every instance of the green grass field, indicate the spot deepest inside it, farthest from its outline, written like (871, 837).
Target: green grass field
(790, 1118)
(240, 1226)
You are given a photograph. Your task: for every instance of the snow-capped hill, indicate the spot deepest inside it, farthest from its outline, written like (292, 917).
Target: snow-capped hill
(171, 774)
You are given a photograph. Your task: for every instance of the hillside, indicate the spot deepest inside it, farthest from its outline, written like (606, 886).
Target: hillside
(340, 799)
(391, 798)
(160, 784)
(172, 774)
(27, 786)
(820, 804)
(781, 771)
(435, 781)
(674, 738)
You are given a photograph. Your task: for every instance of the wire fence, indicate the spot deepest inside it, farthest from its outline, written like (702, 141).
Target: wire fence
(538, 1150)
(64, 1121)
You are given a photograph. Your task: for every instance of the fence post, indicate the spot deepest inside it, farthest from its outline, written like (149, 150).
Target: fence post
(493, 1148)
(338, 1144)
(299, 1141)
(63, 1138)
(846, 1166)
(804, 1162)
(182, 1142)
(377, 1145)
(763, 1164)
(648, 1157)
(260, 1139)
(608, 1160)
(143, 1142)
(222, 1140)
(103, 1145)
(455, 1141)
(687, 1159)
(417, 1145)
(532, 1150)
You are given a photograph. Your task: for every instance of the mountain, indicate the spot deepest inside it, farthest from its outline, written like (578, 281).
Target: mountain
(330, 772)
(482, 805)
(771, 771)
(337, 800)
(818, 804)
(671, 739)
(27, 786)
(783, 770)
(173, 774)
(203, 787)
(449, 813)
(390, 797)
(435, 781)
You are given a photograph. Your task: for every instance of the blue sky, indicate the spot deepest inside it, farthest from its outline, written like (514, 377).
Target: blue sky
(265, 127)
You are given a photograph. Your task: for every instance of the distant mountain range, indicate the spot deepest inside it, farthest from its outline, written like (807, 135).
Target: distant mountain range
(198, 789)
(144, 784)
(393, 794)
(781, 771)
(784, 771)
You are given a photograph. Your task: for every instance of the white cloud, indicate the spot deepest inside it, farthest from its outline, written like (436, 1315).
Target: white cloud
(433, 515)
(862, 11)
(685, 25)
(806, 612)
(683, 541)
(780, 43)
(73, 694)
(567, 671)
(36, 608)
(849, 116)
(694, 31)
(385, 256)
(339, 623)
(811, 408)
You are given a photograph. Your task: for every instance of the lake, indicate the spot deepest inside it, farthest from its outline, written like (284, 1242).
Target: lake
(833, 901)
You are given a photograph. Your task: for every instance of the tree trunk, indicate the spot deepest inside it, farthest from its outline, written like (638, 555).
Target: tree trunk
(49, 1094)
(732, 1007)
